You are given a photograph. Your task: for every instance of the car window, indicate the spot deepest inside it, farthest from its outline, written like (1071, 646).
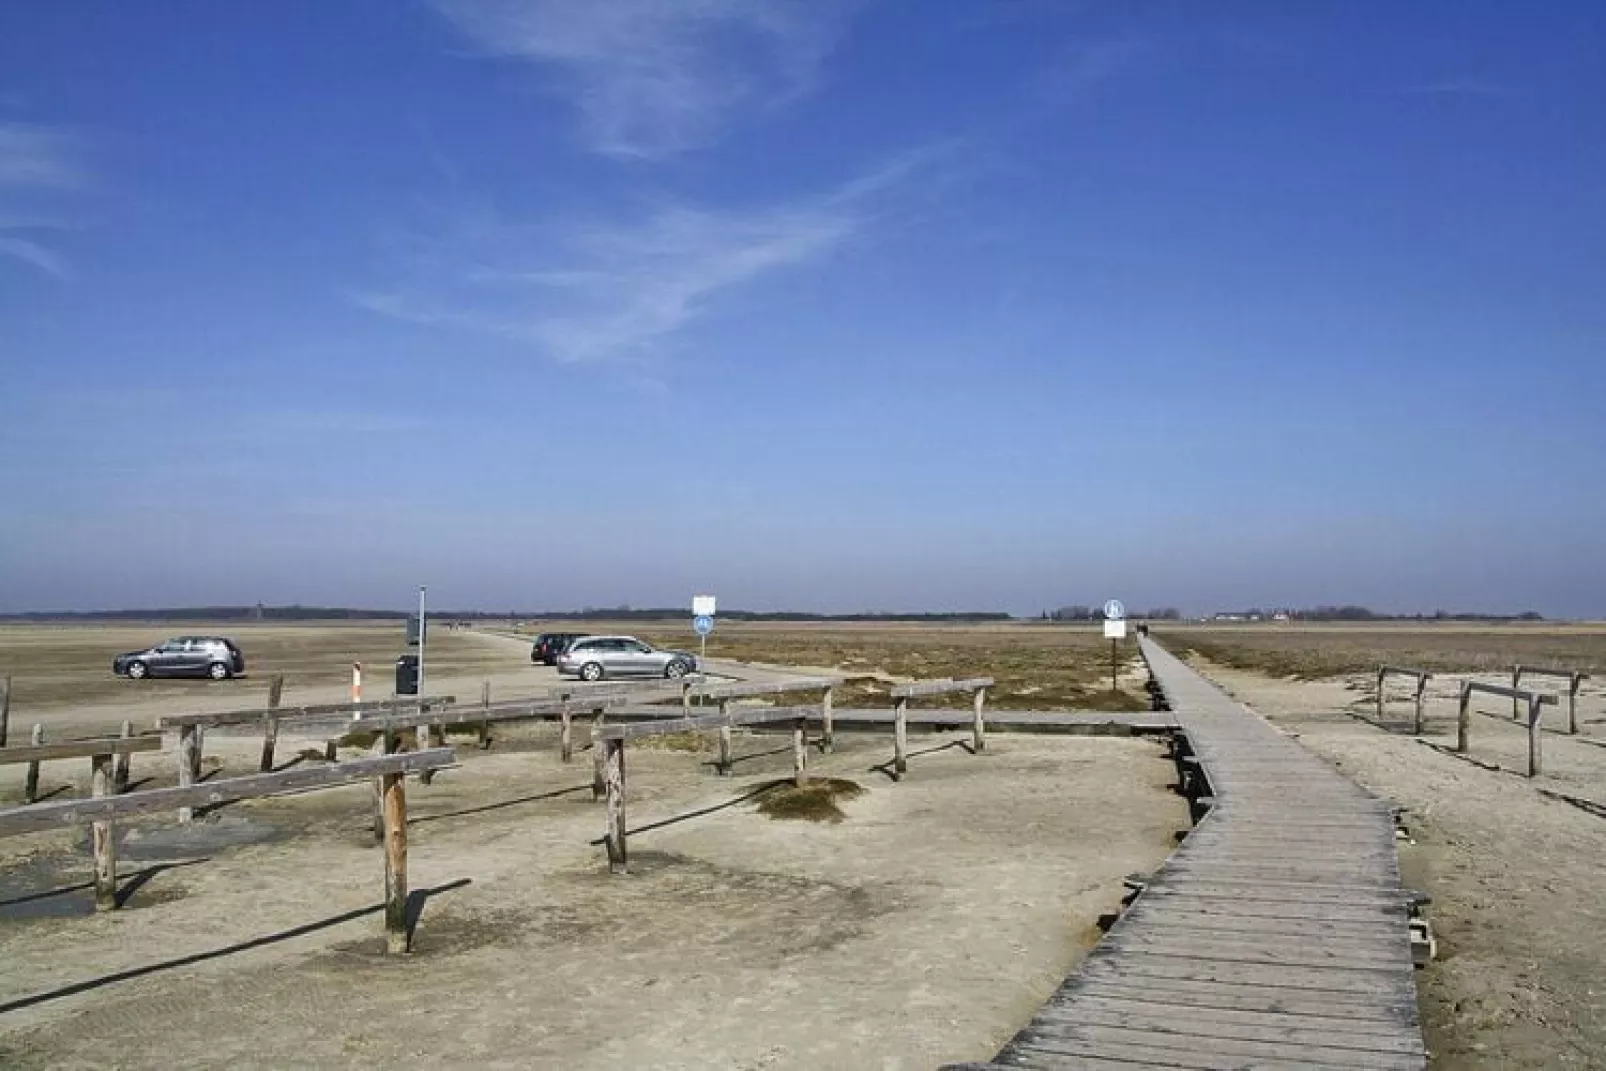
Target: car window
(640, 648)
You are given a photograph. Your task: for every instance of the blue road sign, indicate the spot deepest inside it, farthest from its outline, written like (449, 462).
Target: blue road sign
(1113, 610)
(703, 624)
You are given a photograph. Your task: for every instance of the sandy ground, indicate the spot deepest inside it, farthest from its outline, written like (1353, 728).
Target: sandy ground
(925, 927)
(1515, 877)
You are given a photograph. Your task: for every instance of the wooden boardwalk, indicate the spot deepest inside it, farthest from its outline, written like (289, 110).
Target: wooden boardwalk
(1274, 937)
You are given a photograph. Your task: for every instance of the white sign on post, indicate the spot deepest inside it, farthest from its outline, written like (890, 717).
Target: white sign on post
(702, 606)
(1115, 628)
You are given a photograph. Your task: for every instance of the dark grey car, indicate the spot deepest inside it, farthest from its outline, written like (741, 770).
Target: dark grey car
(183, 656)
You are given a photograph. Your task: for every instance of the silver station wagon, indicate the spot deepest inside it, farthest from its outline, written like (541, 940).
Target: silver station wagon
(592, 658)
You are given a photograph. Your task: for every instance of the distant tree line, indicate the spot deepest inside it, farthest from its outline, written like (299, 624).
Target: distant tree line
(1362, 613)
(614, 613)
(1092, 613)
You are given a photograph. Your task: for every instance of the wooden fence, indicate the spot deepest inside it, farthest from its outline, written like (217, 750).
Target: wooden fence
(611, 741)
(724, 693)
(900, 729)
(1422, 677)
(97, 750)
(191, 727)
(101, 811)
(1536, 701)
(1573, 677)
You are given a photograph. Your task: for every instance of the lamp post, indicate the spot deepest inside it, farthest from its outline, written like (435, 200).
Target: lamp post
(422, 637)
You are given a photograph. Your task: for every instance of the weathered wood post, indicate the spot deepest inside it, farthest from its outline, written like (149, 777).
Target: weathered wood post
(1516, 682)
(5, 708)
(30, 784)
(104, 841)
(614, 772)
(485, 707)
(1421, 687)
(724, 768)
(800, 752)
(270, 724)
(1572, 703)
(599, 758)
(900, 740)
(393, 794)
(120, 766)
(827, 720)
(189, 764)
(1463, 718)
(1382, 674)
(566, 733)
(685, 695)
(978, 731)
(1535, 715)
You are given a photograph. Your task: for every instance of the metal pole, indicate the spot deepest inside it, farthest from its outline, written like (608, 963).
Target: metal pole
(1112, 665)
(702, 664)
(421, 638)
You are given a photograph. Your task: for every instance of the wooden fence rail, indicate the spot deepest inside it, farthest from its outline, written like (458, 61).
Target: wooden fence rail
(191, 727)
(1573, 677)
(1536, 701)
(611, 739)
(109, 746)
(1422, 677)
(101, 811)
(826, 686)
(905, 692)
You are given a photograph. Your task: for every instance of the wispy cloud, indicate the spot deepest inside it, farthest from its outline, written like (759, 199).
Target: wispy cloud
(35, 161)
(652, 78)
(610, 292)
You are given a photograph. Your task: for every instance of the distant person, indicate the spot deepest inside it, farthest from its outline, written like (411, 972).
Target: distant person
(1143, 629)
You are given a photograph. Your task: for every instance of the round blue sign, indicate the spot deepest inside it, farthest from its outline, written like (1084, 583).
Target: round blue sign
(1113, 610)
(703, 624)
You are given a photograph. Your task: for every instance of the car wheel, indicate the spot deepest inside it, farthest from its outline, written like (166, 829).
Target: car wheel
(137, 671)
(675, 669)
(591, 671)
(218, 671)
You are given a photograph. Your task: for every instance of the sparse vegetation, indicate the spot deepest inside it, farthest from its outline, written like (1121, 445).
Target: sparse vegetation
(813, 801)
(1317, 652)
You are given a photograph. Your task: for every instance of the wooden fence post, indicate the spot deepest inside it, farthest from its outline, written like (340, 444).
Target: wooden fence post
(485, 705)
(1463, 718)
(827, 720)
(566, 733)
(1572, 704)
(614, 767)
(120, 767)
(978, 731)
(189, 764)
(685, 695)
(800, 752)
(599, 759)
(393, 794)
(1382, 673)
(1516, 682)
(30, 785)
(1535, 716)
(104, 840)
(900, 740)
(724, 767)
(5, 708)
(1421, 687)
(270, 724)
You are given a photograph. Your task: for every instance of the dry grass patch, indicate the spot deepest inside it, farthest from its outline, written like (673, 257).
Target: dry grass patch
(813, 801)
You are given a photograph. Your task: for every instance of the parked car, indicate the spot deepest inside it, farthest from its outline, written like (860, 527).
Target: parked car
(548, 645)
(593, 657)
(183, 656)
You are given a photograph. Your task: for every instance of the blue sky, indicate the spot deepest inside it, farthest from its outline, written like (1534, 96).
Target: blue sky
(832, 305)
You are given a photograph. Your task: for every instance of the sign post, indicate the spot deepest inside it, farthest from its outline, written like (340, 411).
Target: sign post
(1115, 632)
(702, 619)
